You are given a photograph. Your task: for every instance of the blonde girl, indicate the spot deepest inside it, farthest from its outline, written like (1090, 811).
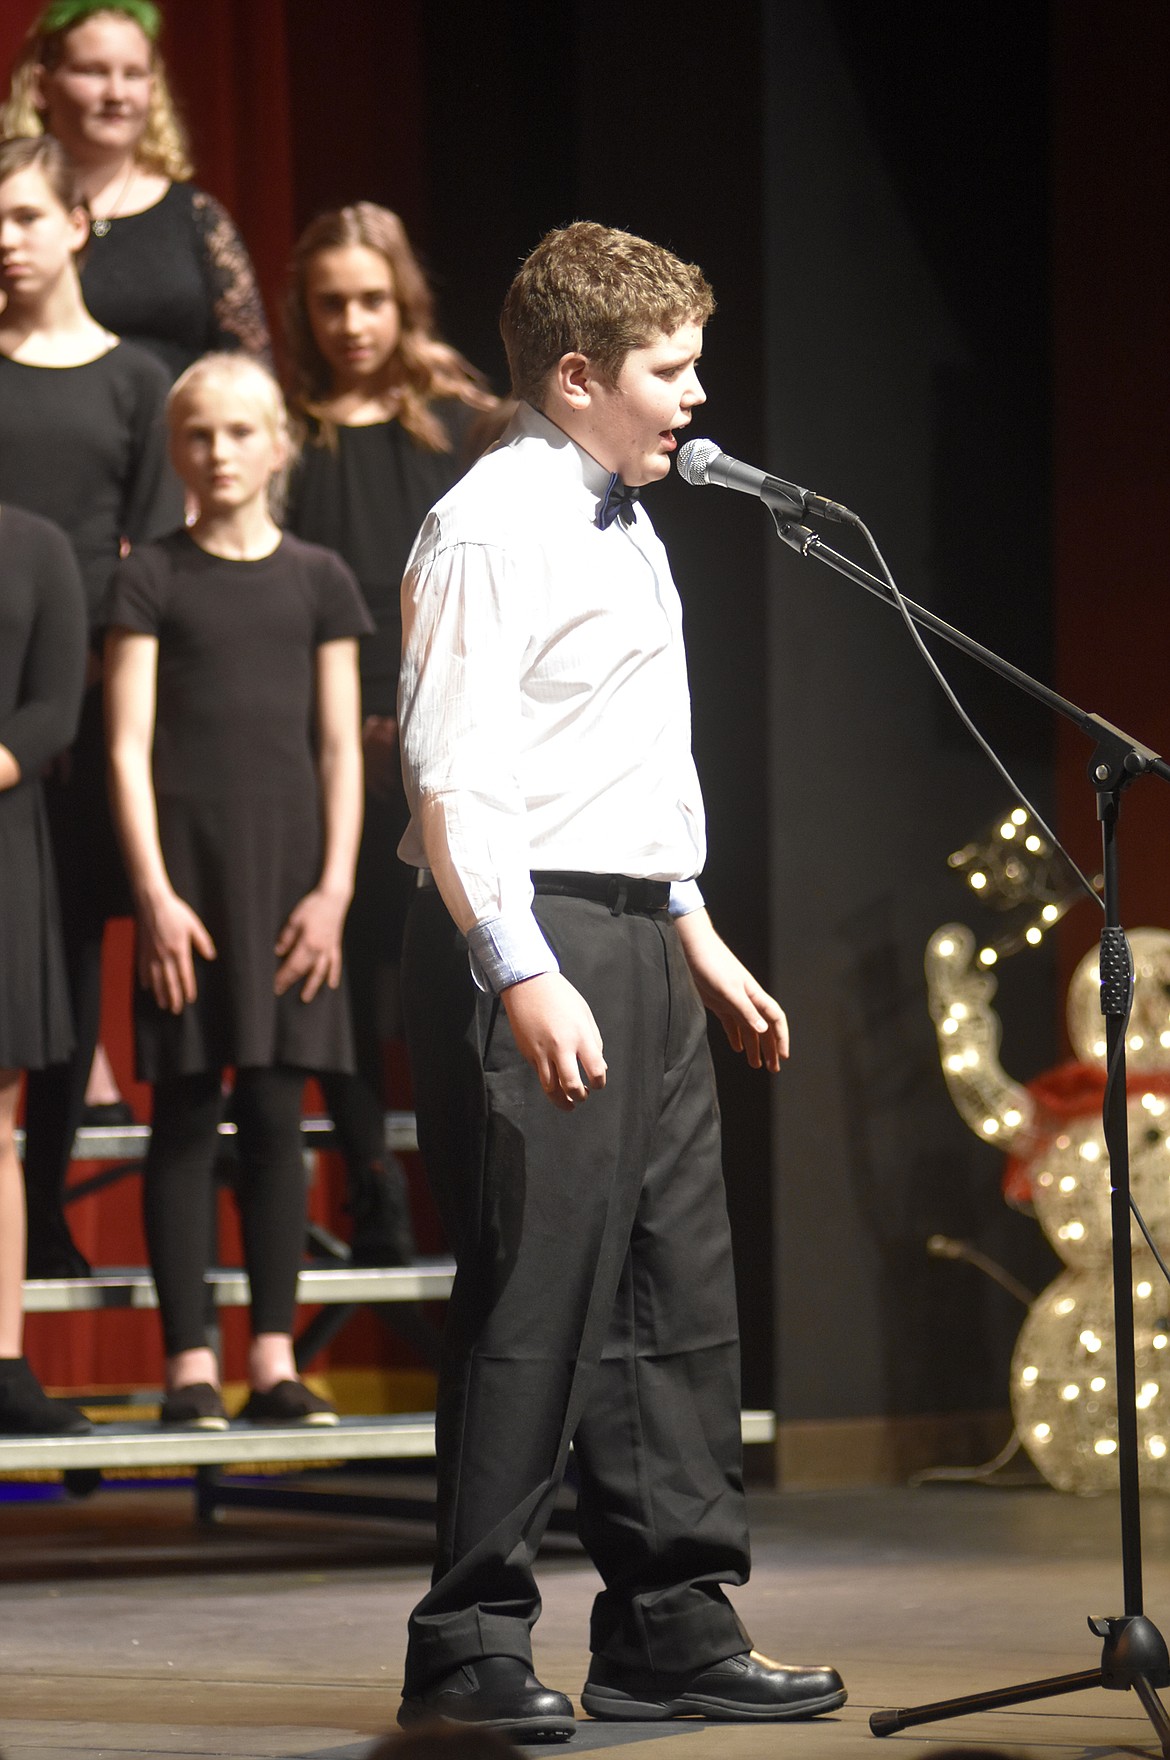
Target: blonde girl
(232, 709)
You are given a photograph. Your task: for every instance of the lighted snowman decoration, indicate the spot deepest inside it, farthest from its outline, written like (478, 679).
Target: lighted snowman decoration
(1063, 1394)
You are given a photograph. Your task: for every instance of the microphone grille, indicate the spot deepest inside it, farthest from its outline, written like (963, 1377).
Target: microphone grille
(693, 460)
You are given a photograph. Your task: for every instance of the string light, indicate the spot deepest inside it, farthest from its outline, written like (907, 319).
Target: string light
(1063, 1386)
(1149, 1024)
(1016, 871)
(1071, 1190)
(968, 1032)
(1065, 1410)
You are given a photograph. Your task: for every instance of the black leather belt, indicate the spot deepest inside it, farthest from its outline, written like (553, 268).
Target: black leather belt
(619, 892)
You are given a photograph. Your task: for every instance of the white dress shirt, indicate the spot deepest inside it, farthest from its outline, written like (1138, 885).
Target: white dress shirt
(544, 712)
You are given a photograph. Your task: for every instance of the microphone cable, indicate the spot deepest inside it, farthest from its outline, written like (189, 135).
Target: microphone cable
(1113, 1072)
(945, 685)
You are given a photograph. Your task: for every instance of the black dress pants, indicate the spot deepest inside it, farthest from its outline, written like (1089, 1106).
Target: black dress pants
(377, 1194)
(593, 1304)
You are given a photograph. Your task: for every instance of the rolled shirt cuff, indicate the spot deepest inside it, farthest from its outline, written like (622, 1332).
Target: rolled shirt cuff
(685, 897)
(506, 950)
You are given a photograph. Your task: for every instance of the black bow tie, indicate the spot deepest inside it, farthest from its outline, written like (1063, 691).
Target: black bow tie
(617, 503)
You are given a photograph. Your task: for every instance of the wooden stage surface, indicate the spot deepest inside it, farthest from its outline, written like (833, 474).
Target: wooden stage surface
(128, 1631)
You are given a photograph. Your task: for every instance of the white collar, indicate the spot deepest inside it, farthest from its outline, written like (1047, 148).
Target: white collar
(572, 464)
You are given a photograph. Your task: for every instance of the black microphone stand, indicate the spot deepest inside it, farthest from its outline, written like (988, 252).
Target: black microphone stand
(1134, 1654)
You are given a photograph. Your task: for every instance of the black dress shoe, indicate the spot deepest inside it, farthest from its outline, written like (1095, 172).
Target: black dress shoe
(496, 1692)
(745, 1688)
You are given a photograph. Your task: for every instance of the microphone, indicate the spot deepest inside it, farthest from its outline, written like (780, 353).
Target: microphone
(700, 462)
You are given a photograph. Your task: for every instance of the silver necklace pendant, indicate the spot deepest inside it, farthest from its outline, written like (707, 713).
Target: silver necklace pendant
(100, 227)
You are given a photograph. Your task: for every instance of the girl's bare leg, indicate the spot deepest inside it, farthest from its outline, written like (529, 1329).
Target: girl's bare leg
(12, 1225)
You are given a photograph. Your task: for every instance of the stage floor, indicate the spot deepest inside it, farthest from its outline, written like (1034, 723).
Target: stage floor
(127, 1631)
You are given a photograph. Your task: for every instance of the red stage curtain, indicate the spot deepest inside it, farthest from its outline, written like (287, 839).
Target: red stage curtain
(1111, 425)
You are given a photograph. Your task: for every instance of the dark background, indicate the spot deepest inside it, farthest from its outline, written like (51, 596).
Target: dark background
(938, 239)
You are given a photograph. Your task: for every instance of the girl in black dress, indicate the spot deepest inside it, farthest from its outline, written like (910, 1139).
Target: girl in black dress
(391, 417)
(82, 443)
(42, 663)
(232, 708)
(166, 266)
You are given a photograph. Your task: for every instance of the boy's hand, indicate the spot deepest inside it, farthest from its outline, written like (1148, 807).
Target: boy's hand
(309, 945)
(754, 1022)
(554, 1028)
(168, 929)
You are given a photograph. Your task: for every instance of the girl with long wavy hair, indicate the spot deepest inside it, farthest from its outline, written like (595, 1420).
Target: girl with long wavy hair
(389, 416)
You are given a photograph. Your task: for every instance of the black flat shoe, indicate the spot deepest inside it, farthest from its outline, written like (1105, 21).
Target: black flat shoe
(52, 1252)
(289, 1402)
(113, 1114)
(27, 1410)
(199, 1405)
(744, 1688)
(495, 1692)
(379, 1202)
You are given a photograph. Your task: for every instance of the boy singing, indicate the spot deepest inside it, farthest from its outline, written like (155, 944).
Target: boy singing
(557, 961)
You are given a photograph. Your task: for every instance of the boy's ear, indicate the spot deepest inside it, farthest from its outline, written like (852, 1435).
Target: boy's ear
(571, 381)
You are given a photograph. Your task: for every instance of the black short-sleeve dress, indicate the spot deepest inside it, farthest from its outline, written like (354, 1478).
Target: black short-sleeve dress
(42, 668)
(236, 785)
(85, 447)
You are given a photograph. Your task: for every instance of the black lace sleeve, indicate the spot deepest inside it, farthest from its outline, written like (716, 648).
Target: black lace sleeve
(239, 320)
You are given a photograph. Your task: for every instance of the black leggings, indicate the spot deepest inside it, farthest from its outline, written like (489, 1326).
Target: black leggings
(55, 1103)
(179, 1195)
(92, 889)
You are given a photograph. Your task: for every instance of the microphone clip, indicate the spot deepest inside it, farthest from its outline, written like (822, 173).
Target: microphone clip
(801, 538)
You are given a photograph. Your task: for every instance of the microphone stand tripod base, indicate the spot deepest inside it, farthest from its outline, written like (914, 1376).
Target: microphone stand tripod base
(1133, 1656)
